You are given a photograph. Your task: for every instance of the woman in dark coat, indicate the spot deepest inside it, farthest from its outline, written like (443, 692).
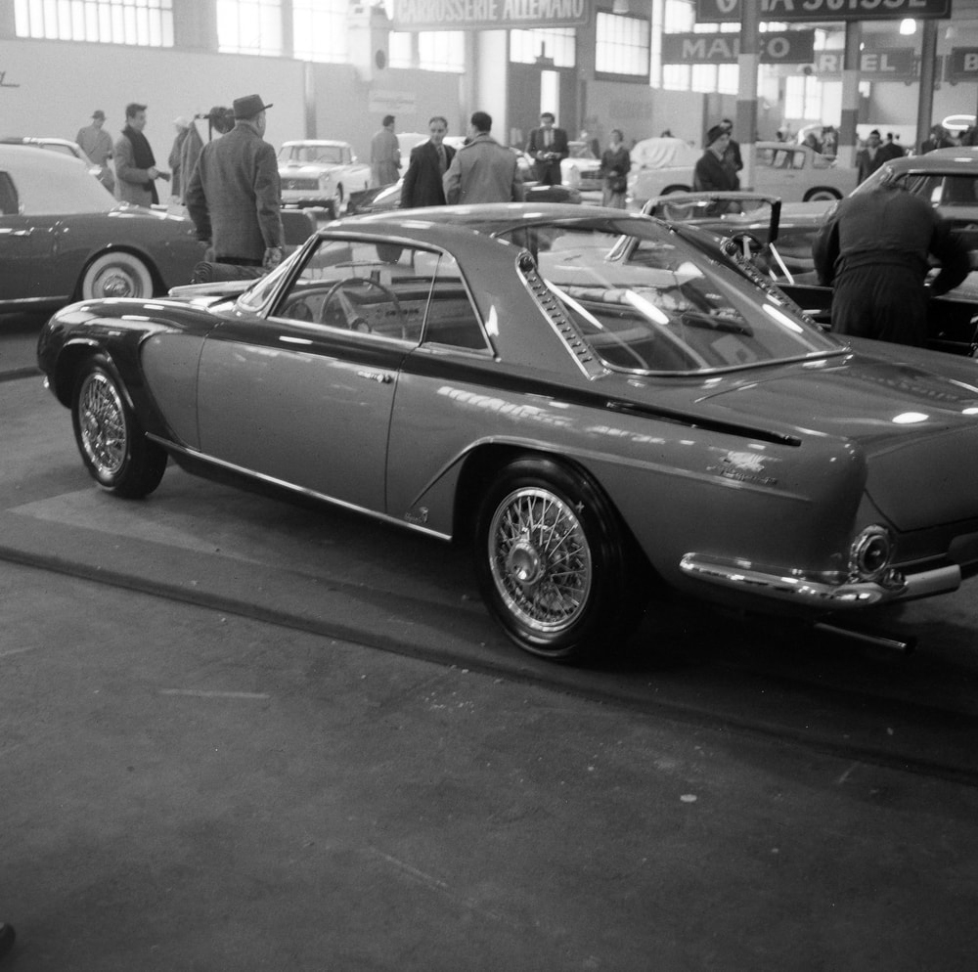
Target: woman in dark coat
(615, 165)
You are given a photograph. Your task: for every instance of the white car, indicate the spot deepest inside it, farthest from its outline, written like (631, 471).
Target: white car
(581, 169)
(318, 172)
(795, 173)
(60, 145)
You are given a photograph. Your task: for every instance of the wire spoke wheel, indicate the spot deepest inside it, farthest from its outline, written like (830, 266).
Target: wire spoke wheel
(103, 432)
(540, 559)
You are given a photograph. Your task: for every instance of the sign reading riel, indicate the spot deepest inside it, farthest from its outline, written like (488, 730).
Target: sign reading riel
(714, 11)
(790, 47)
(488, 14)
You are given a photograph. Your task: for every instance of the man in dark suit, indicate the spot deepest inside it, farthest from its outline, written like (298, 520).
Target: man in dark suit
(547, 146)
(429, 163)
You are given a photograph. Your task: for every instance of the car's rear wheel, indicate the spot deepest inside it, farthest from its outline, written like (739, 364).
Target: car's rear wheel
(116, 274)
(822, 193)
(110, 438)
(554, 562)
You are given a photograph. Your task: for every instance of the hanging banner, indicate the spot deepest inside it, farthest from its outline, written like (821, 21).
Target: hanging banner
(809, 11)
(789, 47)
(488, 14)
(883, 64)
(962, 64)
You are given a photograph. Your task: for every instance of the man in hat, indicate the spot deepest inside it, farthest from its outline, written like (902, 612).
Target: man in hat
(235, 197)
(135, 166)
(97, 145)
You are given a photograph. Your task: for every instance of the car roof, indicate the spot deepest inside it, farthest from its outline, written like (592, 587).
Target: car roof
(940, 160)
(324, 142)
(442, 224)
(15, 155)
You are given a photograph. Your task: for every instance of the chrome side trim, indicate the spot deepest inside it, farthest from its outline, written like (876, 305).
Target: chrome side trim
(819, 593)
(172, 447)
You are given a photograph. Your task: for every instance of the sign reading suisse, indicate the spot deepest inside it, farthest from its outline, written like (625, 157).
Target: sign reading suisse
(488, 14)
(790, 47)
(712, 11)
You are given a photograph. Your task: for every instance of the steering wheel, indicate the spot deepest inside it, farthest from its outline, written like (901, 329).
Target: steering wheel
(348, 310)
(746, 244)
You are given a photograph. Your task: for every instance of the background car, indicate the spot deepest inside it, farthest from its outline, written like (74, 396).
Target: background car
(586, 397)
(62, 145)
(63, 236)
(320, 172)
(792, 172)
(777, 239)
(581, 169)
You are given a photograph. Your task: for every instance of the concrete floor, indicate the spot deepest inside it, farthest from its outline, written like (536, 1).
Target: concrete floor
(190, 789)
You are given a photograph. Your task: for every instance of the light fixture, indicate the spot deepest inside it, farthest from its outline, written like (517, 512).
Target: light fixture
(908, 26)
(620, 7)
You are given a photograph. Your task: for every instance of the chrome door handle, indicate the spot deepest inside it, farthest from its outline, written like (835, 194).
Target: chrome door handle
(378, 376)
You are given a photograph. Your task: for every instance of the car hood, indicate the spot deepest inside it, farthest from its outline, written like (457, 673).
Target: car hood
(303, 170)
(917, 428)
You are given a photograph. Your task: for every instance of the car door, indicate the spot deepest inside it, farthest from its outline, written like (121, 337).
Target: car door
(25, 245)
(304, 395)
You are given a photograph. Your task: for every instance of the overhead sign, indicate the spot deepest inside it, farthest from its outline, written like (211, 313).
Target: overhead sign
(713, 11)
(489, 14)
(884, 64)
(962, 64)
(789, 47)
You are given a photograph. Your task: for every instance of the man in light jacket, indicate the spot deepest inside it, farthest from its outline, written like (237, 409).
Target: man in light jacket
(235, 196)
(483, 171)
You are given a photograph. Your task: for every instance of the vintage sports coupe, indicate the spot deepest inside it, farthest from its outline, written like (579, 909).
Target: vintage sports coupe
(600, 406)
(64, 236)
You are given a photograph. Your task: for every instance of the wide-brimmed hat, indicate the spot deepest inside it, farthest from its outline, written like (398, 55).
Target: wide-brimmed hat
(249, 106)
(716, 132)
(98, 113)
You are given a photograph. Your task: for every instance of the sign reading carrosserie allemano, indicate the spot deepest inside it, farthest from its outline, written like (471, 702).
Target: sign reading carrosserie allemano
(789, 47)
(488, 14)
(712, 11)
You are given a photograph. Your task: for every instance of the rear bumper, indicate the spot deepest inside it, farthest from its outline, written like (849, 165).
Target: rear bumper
(805, 592)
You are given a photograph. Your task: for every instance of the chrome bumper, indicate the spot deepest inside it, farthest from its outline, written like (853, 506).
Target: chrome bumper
(822, 594)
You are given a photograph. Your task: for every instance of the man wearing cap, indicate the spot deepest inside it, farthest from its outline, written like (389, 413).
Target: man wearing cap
(97, 145)
(710, 174)
(235, 197)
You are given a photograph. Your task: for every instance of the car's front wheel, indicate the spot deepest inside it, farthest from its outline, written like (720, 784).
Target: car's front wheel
(553, 562)
(116, 274)
(822, 194)
(110, 438)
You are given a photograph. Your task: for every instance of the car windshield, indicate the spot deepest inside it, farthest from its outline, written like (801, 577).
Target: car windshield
(328, 154)
(647, 301)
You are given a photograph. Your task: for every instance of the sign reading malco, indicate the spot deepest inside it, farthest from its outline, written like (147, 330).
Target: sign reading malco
(790, 47)
(488, 14)
(712, 11)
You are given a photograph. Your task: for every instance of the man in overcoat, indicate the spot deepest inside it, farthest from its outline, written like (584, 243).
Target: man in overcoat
(483, 171)
(135, 166)
(385, 154)
(430, 160)
(235, 196)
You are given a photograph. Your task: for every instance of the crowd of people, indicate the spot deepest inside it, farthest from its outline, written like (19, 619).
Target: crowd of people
(873, 250)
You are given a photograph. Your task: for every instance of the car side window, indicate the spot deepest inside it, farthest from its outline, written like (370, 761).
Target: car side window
(369, 287)
(451, 318)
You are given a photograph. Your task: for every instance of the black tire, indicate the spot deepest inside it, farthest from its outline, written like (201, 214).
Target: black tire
(821, 193)
(538, 515)
(111, 441)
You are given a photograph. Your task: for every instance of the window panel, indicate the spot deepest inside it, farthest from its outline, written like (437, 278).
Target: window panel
(622, 45)
(558, 43)
(249, 27)
(146, 23)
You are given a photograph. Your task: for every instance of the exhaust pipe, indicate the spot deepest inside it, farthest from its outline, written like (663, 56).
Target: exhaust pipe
(903, 646)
